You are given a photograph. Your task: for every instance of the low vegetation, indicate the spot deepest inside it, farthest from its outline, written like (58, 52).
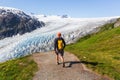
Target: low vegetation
(100, 51)
(18, 69)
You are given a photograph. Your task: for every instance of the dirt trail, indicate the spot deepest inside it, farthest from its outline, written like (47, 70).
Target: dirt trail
(74, 70)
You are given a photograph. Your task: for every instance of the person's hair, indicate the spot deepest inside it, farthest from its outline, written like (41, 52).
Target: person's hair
(58, 34)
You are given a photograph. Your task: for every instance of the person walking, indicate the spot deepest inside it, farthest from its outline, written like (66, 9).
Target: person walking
(59, 45)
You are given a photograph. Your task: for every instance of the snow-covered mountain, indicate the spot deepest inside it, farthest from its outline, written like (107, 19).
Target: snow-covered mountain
(14, 21)
(41, 39)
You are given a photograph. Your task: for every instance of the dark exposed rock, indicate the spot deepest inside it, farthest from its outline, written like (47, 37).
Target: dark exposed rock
(64, 16)
(117, 24)
(16, 23)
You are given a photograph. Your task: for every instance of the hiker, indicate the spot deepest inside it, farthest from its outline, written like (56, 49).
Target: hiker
(59, 45)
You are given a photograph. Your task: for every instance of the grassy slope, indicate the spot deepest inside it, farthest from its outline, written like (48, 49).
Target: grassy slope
(18, 69)
(100, 52)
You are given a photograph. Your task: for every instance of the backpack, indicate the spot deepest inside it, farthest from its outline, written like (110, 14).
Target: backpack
(60, 44)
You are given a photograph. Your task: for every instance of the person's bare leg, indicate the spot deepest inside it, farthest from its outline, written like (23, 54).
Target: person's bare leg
(57, 59)
(62, 58)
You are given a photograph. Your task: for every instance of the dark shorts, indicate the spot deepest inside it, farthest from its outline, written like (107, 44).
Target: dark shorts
(60, 52)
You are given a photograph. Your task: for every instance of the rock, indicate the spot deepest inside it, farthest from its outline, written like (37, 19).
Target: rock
(13, 22)
(117, 23)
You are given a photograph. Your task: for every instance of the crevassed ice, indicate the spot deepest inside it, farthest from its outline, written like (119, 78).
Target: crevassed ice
(22, 47)
(41, 39)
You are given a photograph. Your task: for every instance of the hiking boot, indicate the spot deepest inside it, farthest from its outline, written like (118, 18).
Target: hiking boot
(58, 63)
(63, 64)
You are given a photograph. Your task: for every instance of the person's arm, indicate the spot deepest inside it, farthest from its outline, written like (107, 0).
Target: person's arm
(64, 43)
(55, 44)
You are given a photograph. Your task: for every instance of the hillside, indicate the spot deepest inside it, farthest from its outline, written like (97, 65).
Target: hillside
(100, 51)
(41, 39)
(14, 21)
(18, 69)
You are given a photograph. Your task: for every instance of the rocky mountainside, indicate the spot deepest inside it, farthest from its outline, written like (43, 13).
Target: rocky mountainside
(117, 23)
(14, 21)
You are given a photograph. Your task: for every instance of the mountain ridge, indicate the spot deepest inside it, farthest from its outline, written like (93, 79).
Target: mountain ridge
(14, 21)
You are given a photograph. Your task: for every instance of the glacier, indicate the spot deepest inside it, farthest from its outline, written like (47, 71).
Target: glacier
(41, 39)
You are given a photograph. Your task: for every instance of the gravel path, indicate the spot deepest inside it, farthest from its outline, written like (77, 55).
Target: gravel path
(74, 70)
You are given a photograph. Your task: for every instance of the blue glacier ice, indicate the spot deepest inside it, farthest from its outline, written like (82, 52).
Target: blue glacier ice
(41, 39)
(33, 44)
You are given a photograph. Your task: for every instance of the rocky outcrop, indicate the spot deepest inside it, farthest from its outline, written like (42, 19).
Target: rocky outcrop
(13, 22)
(117, 23)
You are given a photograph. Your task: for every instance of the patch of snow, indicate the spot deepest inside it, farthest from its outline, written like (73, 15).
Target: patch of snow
(5, 10)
